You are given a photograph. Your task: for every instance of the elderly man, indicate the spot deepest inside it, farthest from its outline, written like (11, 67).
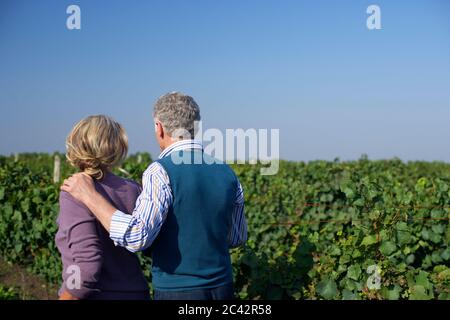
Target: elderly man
(190, 212)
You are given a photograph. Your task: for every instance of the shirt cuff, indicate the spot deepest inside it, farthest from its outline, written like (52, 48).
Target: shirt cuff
(119, 226)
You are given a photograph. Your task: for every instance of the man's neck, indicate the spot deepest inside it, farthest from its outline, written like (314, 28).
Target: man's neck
(183, 144)
(168, 144)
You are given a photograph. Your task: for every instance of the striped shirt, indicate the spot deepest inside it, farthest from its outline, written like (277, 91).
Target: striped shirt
(137, 231)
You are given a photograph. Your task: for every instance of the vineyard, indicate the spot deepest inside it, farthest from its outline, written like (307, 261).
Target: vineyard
(319, 230)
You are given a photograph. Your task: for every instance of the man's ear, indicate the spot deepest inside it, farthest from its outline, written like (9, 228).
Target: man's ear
(159, 129)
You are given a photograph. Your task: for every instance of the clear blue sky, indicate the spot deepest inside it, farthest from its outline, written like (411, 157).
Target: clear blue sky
(310, 68)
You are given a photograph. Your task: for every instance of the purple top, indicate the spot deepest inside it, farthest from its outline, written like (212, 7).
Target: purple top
(106, 271)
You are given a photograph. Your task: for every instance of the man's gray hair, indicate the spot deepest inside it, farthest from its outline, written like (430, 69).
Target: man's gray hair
(178, 113)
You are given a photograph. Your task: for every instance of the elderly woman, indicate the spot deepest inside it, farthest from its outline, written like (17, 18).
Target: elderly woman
(93, 267)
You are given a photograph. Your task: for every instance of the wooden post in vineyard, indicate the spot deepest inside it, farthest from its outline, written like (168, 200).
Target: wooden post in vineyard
(16, 157)
(139, 159)
(57, 169)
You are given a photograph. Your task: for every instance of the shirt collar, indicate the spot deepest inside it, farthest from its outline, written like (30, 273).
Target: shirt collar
(181, 145)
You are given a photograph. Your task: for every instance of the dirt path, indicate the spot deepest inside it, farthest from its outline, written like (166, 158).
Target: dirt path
(28, 285)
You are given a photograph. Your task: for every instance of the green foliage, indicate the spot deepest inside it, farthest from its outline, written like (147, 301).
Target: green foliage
(314, 229)
(8, 293)
(327, 289)
(29, 208)
(353, 215)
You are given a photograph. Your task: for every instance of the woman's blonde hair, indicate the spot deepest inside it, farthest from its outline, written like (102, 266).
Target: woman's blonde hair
(96, 144)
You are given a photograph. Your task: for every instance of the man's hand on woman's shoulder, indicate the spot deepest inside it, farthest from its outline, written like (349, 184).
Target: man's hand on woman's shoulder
(80, 186)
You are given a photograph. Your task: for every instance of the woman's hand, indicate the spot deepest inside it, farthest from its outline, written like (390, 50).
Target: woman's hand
(67, 296)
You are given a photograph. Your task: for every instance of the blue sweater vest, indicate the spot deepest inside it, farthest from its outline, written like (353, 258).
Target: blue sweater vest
(191, 251)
